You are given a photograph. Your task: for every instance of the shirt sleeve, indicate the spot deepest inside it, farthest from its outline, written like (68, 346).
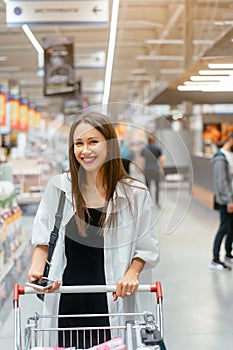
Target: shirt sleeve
(147, 246)
(45, 216)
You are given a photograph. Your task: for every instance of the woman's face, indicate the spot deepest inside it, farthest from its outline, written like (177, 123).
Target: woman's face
(90, 147)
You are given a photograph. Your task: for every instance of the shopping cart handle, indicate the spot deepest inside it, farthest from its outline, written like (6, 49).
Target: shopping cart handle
(153, 288)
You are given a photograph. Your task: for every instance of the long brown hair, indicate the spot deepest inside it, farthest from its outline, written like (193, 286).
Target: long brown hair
(112, 169)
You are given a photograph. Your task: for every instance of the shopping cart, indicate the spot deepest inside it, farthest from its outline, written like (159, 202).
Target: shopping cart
(143, 330)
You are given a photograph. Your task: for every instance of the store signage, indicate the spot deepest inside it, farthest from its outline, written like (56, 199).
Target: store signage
(14, 113)
(59, 76)
(23, 116)
(57, 12)
(91, 60)
(2, 109)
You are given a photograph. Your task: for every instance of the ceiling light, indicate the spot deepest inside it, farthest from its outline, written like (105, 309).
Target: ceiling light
(216, 88)
(171, 71)
(196, 83)
(10, 69)
(189, 88)
(220, 65)
(165, 41)
(33, 39)
(138, 71)
(159, 57)
(111, 49)
(223, 23)
(206, 78)
(222, 86)
(3, 58)
(215, 72)
(202, 42)
(139, 78)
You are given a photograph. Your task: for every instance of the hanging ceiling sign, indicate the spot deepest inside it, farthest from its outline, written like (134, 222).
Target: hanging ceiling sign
(57, 12)
(59, 75)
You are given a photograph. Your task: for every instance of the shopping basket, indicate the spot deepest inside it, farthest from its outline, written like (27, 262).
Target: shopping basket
(144, 325)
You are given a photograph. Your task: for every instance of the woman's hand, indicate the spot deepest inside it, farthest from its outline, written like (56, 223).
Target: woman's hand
(33, 276)
(126, 286)
(36, 270)
(129, 283)
(56, 284)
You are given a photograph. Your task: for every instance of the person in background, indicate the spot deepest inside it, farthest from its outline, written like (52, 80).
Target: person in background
(223, 187)
(153, 165)
(126, 155)
(107, 234)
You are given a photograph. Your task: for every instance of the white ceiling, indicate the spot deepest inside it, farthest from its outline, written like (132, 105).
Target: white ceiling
(196, 24)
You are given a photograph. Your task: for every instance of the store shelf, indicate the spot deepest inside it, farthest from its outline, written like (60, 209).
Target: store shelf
(10, 264)
(7, 200)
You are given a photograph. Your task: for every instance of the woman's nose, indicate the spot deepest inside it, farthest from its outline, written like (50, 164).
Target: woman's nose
(85, 149)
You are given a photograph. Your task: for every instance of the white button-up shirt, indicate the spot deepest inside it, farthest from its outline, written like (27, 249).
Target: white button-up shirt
(134, 237)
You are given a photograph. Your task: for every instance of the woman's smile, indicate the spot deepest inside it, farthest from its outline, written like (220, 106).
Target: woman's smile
(88, 159)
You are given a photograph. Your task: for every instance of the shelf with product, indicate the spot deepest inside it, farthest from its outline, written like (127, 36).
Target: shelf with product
(30, 177)
(14, 243)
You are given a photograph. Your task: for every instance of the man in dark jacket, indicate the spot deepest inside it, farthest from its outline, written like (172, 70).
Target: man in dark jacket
(223, 186)
(153, 164)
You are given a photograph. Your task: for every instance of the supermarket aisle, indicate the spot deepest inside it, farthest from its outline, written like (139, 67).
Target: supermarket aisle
(197, 301)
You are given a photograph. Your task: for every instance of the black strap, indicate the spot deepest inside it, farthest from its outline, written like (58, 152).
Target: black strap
(55, 232)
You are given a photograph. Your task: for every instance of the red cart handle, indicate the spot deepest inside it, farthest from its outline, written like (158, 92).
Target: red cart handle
(17, 291)
(153, 288)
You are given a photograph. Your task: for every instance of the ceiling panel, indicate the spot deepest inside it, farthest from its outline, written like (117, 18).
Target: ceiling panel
(200, 25)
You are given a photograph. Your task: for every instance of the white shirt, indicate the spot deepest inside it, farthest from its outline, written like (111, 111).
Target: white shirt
(134, 237)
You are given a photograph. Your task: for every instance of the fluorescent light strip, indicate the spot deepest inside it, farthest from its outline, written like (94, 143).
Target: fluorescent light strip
(10, 69)
(171, 71)
(111, 50)
(189, 88)
(32, 38)
(207, 78)
(215, 72)
(40, 58)
(217, 89)
(223, 23)
(221, 87)
(196, 83)
(220, 65)
(139, 78)
(138, 71)
(159, 57)
(164, 41)
(202, 42)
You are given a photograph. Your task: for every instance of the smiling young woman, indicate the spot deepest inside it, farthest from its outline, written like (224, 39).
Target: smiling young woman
(107, 234)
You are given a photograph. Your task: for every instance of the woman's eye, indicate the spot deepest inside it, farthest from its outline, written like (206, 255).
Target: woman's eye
(94, 142)
(78, 144)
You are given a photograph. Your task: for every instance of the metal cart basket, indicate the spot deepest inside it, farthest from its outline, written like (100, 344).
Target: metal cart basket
(144, 329)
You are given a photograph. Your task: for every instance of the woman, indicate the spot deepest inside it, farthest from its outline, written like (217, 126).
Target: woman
(107, 234)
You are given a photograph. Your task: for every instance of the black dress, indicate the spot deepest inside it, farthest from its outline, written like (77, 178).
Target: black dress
(85, 266)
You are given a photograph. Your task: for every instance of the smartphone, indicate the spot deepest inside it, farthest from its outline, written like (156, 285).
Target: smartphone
(40, 283)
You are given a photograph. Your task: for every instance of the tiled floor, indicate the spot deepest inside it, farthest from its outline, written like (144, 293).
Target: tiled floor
(198, 302)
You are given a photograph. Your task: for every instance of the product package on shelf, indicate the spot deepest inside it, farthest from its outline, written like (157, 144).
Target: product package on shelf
(15, 251)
